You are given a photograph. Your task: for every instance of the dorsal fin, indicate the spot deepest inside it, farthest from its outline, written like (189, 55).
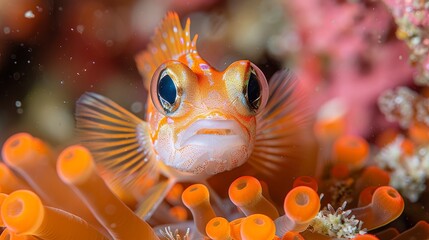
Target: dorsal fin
(169, 43)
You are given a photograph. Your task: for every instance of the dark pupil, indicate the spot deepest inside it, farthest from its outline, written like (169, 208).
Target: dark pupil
(253, 91)
(167, 89)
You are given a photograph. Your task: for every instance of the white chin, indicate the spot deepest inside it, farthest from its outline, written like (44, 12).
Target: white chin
(209, 146)
(210, 159)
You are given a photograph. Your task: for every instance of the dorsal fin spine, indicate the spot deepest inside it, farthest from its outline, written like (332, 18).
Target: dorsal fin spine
(170, 42)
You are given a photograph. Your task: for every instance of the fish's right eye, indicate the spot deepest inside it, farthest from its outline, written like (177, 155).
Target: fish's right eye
(168, 93)
(173, 84)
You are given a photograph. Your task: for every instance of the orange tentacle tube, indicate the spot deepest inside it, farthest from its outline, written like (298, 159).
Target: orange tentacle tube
(23, 213)
(386, 205)
(2, 198)
(372, 176)
(308, 181)
(419, 132)
(174, 195)
(179, 213)
(301, 205)
(292, 236)
(75, 166)
(408, 147)
(257, 226)
(330, 126)
(197, 199)
(33, 160)
(340, 171)
(265, 191)
(365, 196)
(314, 236)
(7, 235)
(235, 228)
(386, 137)
(350, 150)
(365, 237)
(218, 228)
(419, 231)
(246, 193)
(387, 234)
(9, 182)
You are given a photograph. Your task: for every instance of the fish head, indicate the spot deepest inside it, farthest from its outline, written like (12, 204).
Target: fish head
(203, 121)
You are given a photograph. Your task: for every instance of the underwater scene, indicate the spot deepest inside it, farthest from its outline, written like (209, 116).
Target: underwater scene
(214, 119)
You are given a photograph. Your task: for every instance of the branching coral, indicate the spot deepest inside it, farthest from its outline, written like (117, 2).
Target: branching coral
(408, 173)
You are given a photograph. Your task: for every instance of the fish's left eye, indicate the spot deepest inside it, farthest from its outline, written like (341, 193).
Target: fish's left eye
(167, 93)
(252, 91)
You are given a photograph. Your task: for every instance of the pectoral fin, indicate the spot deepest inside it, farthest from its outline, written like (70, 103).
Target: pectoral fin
(281, 128)
(153, 198)
(118, 140)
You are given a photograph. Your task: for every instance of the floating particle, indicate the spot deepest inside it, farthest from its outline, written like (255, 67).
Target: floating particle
(109, 43)
(136, 107)
(29, 14)
(16, 76)
(18, 104)
(6, 30)
(80, 28)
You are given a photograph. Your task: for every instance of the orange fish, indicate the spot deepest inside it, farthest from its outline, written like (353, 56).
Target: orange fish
(199, 121)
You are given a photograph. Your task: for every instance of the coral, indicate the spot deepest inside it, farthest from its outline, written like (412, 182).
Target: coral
(337, 223)
(408, 172)
(412, 18)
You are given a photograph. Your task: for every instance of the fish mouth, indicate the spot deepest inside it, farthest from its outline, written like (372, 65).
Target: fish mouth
(213, 133)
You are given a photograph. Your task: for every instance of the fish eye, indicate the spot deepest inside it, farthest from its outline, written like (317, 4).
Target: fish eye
(167, 93)
(252, 91)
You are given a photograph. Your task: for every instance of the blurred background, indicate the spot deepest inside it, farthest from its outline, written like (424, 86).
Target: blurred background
(52, 51)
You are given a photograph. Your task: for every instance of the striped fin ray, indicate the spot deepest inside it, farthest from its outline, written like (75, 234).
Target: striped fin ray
(280, 127)
(169, 43)
(118, 140)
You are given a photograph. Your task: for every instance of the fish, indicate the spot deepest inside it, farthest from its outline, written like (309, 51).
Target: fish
(199, 121)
